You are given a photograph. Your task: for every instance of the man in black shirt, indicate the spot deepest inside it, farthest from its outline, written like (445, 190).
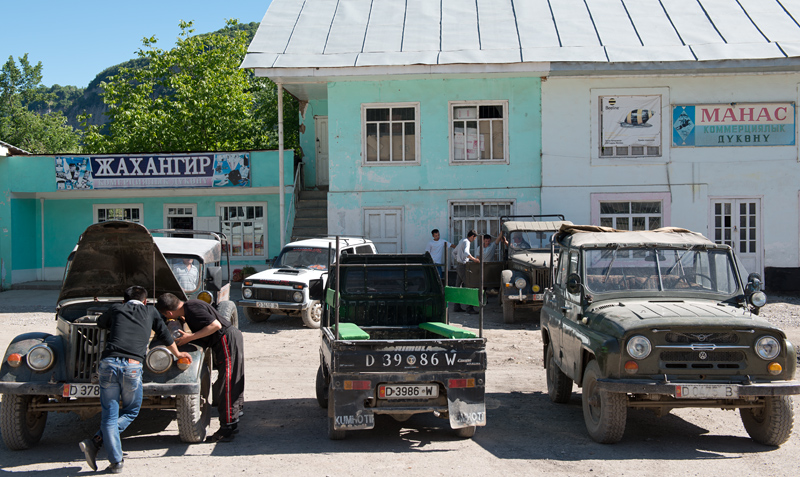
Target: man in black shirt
(210, 329)
(120, 370)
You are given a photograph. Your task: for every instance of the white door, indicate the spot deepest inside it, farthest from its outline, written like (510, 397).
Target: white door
(737, 222)
(321, 131)
(385, 228)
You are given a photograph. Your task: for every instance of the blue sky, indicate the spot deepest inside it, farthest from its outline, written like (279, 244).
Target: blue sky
(77, 40)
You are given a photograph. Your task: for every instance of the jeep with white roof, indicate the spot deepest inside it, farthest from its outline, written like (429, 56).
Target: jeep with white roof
(283, 288)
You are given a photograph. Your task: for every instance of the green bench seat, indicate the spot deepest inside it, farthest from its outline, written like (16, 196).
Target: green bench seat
(448, 331)
(351, 331)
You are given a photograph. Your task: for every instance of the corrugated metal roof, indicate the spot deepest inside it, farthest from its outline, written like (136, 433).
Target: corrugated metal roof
(359, 33)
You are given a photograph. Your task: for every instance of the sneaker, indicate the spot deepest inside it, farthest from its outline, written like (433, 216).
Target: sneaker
(115, 468)
(223, 434)
(89, 449)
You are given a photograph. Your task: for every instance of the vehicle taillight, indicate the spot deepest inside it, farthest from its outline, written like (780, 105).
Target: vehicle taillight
(357, 385)
(461, 383)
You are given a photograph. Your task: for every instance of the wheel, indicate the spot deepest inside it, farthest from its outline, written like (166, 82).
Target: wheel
(194, 411)
(312, 314)
(465, 432)
(333, 434)
(508, 310)
(256, 315)
(604, 413)
(772, 424)
(228, 310)
(559, 386)
(322, 388)
(21, 428)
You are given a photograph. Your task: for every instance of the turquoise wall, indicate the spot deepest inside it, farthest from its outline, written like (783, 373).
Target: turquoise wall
(25, 180)
(308, 140)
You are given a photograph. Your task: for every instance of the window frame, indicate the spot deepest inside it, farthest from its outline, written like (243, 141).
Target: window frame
(662, 197)
(417, 134)
(218, 207)
(179, 206)
(475, 247)
(97, 207)
(451, 105)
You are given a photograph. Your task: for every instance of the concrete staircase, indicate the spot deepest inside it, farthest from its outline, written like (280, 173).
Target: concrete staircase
(311, 217)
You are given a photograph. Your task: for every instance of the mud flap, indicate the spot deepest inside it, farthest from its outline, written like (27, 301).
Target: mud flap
(466, 412)
(349, 415)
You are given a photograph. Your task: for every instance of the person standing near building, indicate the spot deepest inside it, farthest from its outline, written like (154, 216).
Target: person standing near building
(462, 257)
(120, 369)
(490, 248)
(437, 248)
(212, 330)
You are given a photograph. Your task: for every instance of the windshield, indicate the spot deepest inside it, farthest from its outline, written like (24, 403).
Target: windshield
(660, 269)
(303, 257)
(529, 239)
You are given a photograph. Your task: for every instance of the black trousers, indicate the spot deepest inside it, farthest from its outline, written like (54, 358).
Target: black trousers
(229, 386)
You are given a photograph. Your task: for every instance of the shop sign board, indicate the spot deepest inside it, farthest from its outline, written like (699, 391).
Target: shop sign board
(733, 124)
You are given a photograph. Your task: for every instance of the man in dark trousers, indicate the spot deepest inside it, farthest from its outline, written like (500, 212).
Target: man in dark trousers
(120, 369)
(212, 330)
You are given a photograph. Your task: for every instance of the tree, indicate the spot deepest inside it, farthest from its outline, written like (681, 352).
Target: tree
(20, 88)
(193, 97)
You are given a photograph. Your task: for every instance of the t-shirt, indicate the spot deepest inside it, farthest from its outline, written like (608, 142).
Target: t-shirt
(129, 325)
(436, 248)
(199, 314)
(462, 251)
(187, 276)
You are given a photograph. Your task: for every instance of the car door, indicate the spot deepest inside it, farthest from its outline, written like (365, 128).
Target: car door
(552, 313)
(570, 340)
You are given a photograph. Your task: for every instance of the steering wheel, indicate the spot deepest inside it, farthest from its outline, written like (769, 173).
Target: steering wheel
(710, 280)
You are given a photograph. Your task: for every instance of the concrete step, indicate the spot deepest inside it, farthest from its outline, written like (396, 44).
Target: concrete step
(313, 194)
(312, 204)
(315, 213)
(311, 222)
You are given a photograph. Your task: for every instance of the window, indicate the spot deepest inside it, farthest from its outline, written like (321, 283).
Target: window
(484, 217)
(478, 131)
(391, 134)
(244, 224)
(179, 216)
(631, 215)
(129, 212)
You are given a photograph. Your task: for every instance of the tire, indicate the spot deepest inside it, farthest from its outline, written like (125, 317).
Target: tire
(313, 314)
(256, 315)
(465, 432)
(559, 386)
(322, 388)
(772, 424)
(333, 434)
(604, 413)
(194, 411)
(21, 428)
(508, 310)
(228, 310)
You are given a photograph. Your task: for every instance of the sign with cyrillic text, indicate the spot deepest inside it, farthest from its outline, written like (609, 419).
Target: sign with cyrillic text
(733, 124)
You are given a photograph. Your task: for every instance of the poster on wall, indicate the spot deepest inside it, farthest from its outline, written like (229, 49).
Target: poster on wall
(733, 124)
(631, 121)
(231, 169)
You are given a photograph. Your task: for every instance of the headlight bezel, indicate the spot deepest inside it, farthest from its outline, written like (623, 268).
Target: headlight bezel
(35, 350)
(633, 344)
(298, 297)
(759, 346)
(159, 353)
(247, 293)
(520, 282)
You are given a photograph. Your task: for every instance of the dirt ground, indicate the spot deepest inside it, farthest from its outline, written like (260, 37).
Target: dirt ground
(283, 431)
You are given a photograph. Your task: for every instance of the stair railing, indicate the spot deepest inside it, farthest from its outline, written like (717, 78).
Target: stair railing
(298, 185)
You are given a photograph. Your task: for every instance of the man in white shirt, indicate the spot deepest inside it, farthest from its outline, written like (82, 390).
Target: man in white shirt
(462, 257)
(437, 249)
(186, 273)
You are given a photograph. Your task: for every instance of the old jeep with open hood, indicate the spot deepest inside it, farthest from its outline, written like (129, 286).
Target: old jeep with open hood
(660, 320)
(43, 372)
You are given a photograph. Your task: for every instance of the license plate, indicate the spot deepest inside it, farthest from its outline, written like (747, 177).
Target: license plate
(408, 391)
(266, 304)
(81, 390)
(706, 391)
(539, 296)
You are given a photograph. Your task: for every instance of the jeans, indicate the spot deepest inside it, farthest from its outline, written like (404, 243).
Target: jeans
(120, 399)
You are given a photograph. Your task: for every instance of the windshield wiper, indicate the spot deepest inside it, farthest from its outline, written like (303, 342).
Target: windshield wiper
(613, 257)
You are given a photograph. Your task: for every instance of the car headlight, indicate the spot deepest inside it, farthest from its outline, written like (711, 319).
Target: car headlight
(520, 283)
(159, 359)
(767, 347)
(297, 296)
(639, 347)
(40, 357)
(247, 293)
(758, 299)
(206, 297)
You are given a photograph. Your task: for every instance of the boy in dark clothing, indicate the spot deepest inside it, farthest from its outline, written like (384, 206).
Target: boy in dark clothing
(212, 330)
(120, 371)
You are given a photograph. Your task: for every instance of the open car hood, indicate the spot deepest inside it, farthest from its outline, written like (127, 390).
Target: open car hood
(112, 256)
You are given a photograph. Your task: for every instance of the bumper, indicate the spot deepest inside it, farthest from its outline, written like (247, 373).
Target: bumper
(631, 386)
(273, 305)
(55, 389)
(520, 297)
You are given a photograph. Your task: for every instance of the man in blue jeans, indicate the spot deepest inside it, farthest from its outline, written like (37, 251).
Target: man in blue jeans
(120, 369)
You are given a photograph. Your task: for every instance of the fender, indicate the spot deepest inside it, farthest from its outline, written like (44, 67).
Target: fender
(24, 342)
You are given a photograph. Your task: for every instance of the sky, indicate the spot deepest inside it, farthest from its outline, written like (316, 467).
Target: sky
(77, 40)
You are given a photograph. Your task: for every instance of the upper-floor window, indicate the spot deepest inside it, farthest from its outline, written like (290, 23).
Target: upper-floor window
(391, 134)
(478, 131)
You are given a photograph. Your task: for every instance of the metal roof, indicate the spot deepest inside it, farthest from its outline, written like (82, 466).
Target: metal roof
(6, 148)
(567, 35)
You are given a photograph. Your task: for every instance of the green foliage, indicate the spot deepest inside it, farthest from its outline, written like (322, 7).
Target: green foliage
(193, 97)
(20, 92)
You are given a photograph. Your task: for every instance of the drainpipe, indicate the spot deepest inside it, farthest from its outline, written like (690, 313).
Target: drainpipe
(281, 186)
(41, 201)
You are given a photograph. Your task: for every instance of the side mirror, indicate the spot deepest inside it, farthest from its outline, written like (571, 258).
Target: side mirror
(574, 283)
(315, 290)
(213, 278)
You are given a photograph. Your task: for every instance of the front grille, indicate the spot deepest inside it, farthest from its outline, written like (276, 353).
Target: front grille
(269, 294)
(716, 338)
(86, 343)
(541, 277)
(691, 359)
